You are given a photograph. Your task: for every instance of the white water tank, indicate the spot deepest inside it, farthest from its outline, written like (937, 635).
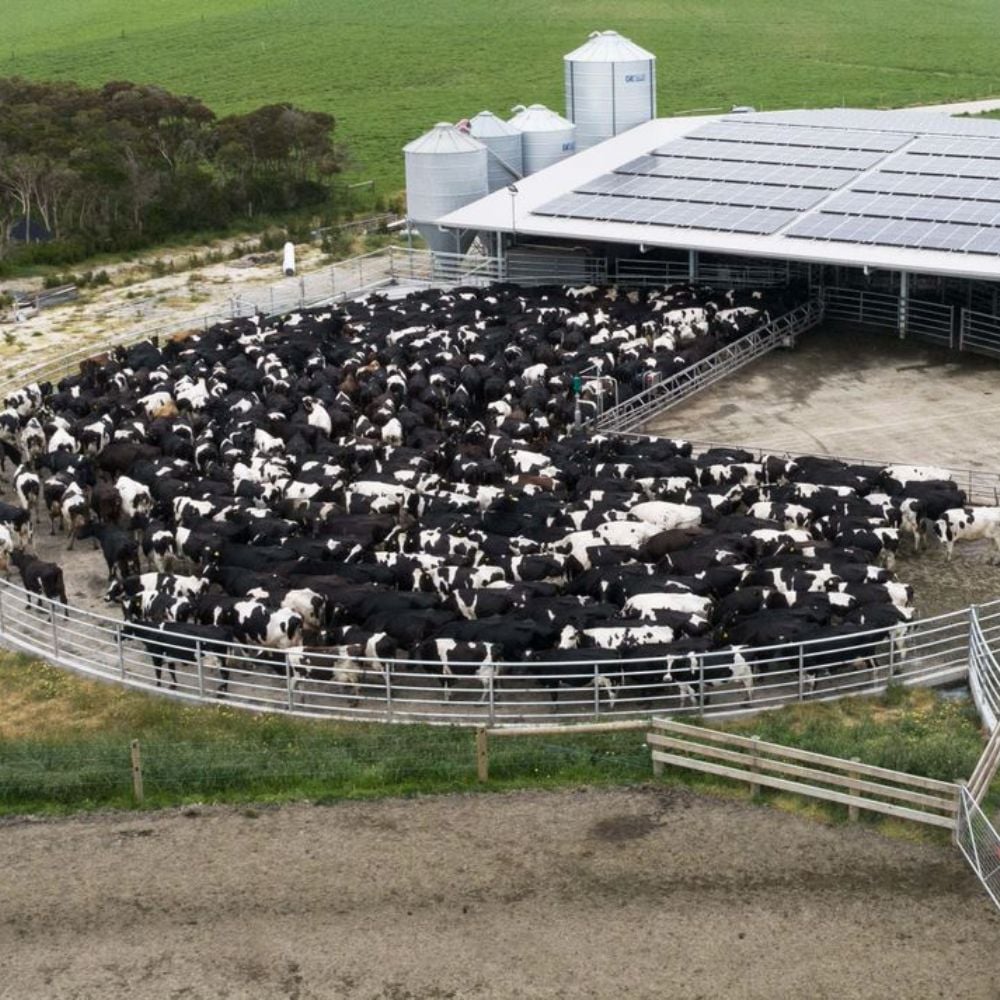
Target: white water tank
(445, 169)
(505, 157)
(547, 137)
(610, 87)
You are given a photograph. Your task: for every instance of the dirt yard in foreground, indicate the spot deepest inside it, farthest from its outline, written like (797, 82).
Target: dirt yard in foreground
(623, 893)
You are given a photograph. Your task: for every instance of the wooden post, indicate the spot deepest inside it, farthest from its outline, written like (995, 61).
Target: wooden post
(136, 771)
(852, 811)
(657, 765)
(754, 768)
(482, 754)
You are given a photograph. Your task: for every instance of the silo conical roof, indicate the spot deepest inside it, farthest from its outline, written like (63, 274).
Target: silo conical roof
(444, 138)
(538, 118)
(608, 46)
(487, 125)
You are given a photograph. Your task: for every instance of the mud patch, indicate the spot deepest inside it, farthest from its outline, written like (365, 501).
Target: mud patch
(616, 829)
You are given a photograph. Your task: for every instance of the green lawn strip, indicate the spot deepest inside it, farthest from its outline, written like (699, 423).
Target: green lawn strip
(64, 747)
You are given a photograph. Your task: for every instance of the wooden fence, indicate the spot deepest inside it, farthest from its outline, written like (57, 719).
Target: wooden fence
(848, 782)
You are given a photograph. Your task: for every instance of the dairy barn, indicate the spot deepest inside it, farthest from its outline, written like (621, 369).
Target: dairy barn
(891, 217)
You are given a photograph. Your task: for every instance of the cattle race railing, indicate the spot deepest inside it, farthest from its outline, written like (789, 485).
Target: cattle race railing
(668, 392)
(932, 651)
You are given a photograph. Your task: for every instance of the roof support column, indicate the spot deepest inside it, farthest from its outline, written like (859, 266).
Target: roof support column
(904, 303)
(692, 265)
(501, 259)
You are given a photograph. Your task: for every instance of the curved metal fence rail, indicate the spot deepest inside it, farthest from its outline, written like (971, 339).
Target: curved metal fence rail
(933, 651)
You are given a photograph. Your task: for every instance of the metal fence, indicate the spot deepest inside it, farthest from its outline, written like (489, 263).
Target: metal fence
(668, 392)
(980, 843)
(929, 652)
(930, 321)
(642, 272)
(979, 332)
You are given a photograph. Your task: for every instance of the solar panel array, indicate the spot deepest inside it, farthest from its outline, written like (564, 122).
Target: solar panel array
(939, 193)
(729, 177)
(857, 177)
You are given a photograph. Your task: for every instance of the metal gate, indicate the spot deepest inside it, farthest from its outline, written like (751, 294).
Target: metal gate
(979, 332)
(930, 321)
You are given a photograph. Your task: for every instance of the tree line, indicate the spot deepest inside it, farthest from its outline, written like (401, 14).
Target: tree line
(124, 165)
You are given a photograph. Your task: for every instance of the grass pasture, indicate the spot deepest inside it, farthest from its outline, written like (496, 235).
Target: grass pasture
(388, 70)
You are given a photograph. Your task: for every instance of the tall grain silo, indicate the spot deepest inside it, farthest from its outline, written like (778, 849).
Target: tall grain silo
(610, 87)
(505, 158)
(547, 137)
(445, 169)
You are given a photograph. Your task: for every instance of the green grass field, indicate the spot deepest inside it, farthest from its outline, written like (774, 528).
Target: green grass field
(388, 70)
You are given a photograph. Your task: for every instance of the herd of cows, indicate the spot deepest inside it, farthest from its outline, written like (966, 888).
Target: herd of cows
(402, 486)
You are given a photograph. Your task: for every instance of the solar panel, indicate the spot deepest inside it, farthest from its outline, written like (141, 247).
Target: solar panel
(756, 152)
(976, 188)
(951, 147)
(792, 135)
(717, 192)
(763, 173)
(945, 166)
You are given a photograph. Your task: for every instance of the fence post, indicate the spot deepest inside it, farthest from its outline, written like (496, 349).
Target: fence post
(121, 652)
(852, 810)
(1, 611)
(802, 672)
(136, 771)
(387, 667)
(597, 691)
(482, 754)
(199, 661)
(55, 628)
(754, 766)
(490, 690)
(701, 683)
(289, 684)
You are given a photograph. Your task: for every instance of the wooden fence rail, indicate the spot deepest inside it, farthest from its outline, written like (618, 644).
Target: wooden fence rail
(756, 762)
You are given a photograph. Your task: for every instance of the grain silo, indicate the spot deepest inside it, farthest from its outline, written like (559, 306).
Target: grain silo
(547, 137)
(610, 87)
(445, 169)
(505, 157)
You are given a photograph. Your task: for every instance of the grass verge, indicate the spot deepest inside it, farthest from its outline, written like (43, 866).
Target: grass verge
(64, 747)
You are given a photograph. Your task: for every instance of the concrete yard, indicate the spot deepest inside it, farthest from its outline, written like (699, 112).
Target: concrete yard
(856, 393)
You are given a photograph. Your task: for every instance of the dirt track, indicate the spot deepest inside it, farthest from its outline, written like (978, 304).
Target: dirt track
(644, 893)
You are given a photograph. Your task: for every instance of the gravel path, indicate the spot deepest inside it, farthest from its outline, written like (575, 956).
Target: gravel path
(641, 893)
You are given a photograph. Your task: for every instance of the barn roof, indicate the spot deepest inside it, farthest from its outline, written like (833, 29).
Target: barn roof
(904, 190)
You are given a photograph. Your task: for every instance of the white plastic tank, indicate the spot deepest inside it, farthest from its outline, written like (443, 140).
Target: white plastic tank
(505, 163)
(445, 169)
(288, 264)
(547, 137)
(610, 87)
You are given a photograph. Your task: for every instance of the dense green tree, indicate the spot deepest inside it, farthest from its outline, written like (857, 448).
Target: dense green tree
(116, 166)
